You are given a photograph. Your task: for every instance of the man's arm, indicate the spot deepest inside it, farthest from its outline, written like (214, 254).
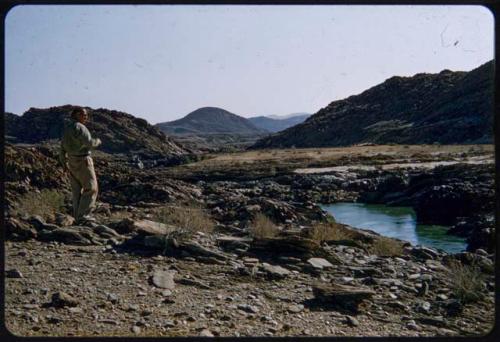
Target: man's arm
(62, 157)
(86, 139)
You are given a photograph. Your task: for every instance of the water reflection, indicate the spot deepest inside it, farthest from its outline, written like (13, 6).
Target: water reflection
(397, 222)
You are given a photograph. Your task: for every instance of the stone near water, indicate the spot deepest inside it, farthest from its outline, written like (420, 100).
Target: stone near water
(164, 279)
(319, 263)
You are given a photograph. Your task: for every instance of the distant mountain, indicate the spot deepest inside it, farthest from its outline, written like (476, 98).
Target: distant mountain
(447, 108)
(210, 120)
(288, 116)
(120, 132)
(274, 123)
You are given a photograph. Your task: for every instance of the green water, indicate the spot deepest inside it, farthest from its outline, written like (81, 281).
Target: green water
(396, 222)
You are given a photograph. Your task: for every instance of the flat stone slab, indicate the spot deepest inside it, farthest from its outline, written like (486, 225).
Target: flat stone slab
(164, 279)
(152, 227)
(344, 296)
(275, 271)
(319, 263)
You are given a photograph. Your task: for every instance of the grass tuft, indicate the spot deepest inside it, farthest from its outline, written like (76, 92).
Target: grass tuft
(466, 282)
(330, 231)
(189, 220)
(387, 247)
(262, 227)
(45, 203)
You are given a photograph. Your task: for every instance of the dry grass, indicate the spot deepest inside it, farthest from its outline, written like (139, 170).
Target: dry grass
(387, 247)
(262, 227)
(46, 203)
(330, 156)
(331, 231)
(188, 220)
(466, 282)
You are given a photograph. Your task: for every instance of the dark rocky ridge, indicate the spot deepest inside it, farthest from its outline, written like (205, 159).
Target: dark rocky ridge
(120, 132)
(448, 108)
(209, 120)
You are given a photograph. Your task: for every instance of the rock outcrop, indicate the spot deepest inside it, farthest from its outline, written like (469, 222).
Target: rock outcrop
(120, 132)
(447, 108)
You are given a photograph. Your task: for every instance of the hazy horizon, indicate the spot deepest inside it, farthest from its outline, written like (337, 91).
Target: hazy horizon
(163, 62)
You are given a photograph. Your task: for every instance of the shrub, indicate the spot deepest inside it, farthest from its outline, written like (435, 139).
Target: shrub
(466, 282)
(329, 231)
(46, 203)
(262, 227)
(188, 220)
(387, 247)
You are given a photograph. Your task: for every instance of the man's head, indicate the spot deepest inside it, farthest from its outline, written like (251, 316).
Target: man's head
(80, 114)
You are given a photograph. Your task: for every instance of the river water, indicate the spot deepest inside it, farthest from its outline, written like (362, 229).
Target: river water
(396, 222)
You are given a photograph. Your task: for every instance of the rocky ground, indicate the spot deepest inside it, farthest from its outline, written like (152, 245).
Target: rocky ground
(130, 275)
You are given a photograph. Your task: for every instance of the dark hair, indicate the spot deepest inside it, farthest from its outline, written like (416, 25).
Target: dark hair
(77, 111)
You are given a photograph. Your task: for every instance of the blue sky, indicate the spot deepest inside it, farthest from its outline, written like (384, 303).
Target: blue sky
(162, 62)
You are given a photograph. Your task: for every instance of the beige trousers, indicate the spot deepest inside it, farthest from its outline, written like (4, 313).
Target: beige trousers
(83, 185)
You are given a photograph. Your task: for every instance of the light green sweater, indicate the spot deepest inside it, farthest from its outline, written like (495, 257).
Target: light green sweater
(76, 141)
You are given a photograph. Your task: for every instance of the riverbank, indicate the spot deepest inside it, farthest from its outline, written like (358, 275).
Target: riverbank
(139, 272)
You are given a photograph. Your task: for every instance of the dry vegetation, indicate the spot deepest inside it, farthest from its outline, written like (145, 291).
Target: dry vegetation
(330, 231)
(262, 227)
(387, 247)
(330, 156)
(45, 203)
(188, 219)
(466, 282)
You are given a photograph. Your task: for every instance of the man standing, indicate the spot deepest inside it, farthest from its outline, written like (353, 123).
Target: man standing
(75, 157)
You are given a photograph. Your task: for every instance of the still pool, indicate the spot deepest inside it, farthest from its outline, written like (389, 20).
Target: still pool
(396, 222)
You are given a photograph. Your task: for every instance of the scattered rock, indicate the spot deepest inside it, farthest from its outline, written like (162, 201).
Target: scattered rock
(273, 271)
(319, 263)
(13, 273)
(296, 308)
(62, 299)
(206, 333)
(353, 322)
(344, 296)
(164, 279)
(248, 308)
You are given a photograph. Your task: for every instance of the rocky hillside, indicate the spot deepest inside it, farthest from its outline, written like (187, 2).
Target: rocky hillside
(210, 120)
(448, 108)
(120, 132)
(276, 124)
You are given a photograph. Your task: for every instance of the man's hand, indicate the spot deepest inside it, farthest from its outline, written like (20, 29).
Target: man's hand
(98, 142)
